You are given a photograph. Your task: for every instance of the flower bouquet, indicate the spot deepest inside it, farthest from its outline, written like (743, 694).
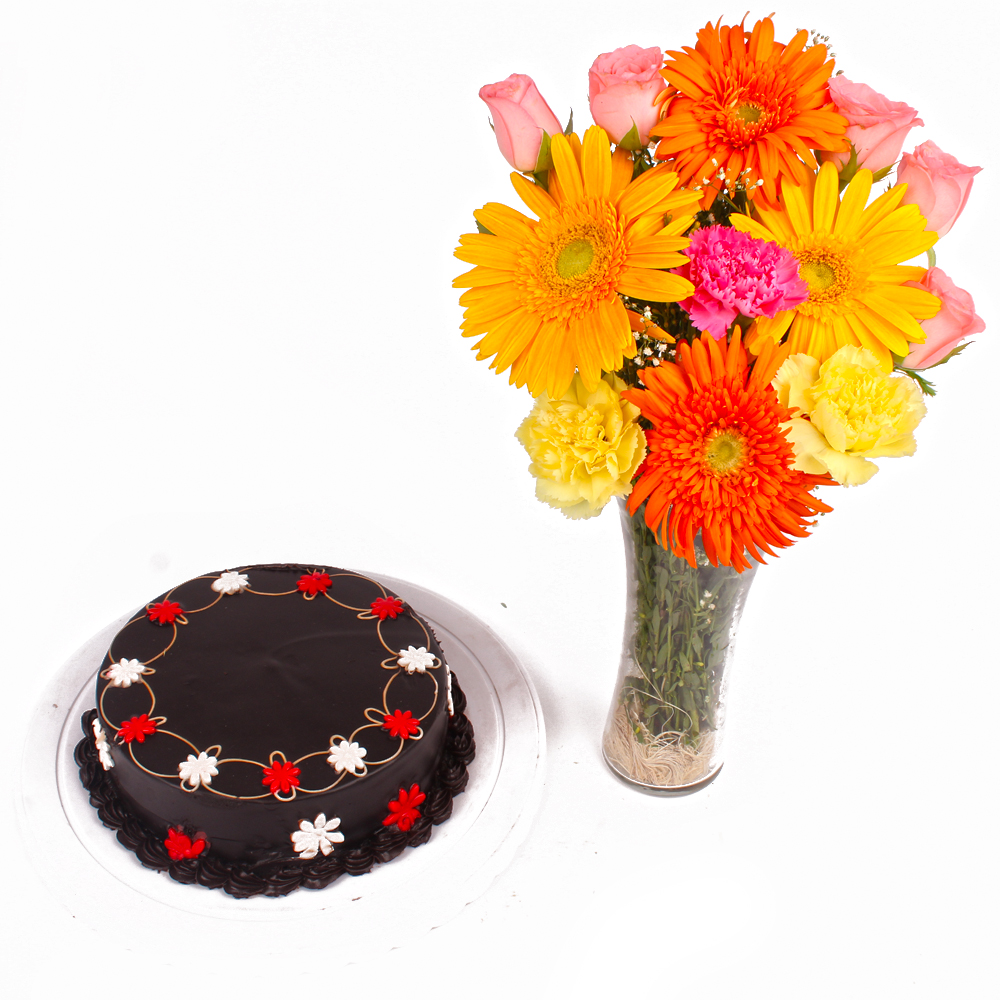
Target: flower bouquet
(716, 304)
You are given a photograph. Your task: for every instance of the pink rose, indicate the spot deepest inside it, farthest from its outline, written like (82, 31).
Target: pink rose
(956, 320)
(875, 125)
(623, 85)
(937, 184)
(520, 115)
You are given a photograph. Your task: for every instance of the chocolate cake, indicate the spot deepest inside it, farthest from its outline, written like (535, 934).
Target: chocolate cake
(272, 727)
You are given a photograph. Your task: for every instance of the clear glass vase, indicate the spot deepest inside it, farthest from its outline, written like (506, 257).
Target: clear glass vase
(664, 730)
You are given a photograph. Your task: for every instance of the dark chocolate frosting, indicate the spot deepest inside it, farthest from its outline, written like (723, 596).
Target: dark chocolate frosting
(276, 876)
(229, 702)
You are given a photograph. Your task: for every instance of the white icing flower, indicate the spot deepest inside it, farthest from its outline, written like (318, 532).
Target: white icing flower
(347, 757)
(320, 835)
(451, 702)
(124, 673)
(230, 582)
(418, 660)
(198, 770)
(103, 750)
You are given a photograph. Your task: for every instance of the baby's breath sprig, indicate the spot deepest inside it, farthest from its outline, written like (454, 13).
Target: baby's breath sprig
(815, 38)
(651, 351)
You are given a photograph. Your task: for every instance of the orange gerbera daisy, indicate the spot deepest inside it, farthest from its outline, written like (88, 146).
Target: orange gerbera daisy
(718, 460)
(544, 295)
(741, 103)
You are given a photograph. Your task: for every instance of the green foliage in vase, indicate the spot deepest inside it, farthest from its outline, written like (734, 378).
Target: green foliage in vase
(683, 624)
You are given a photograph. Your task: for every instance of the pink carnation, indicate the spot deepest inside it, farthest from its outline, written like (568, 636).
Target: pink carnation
(734, 273)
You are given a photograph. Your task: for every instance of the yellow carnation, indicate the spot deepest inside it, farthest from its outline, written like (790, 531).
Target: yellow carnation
(849, 411)
(584, 446)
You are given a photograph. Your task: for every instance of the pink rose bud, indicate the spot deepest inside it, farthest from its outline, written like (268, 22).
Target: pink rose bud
(956, 320)
(623, 86)
(875, 125)
(520, 115)
(937, 184)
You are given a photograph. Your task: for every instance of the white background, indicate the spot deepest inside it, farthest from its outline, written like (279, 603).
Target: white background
(230, 337)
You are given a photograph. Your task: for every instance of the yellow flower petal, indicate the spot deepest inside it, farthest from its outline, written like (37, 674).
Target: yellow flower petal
(596, 163)
(544, 298)
(853, 203)
(585, 446)
(850, 257)
(533, 195)
(814, 455)
(850, 411)
(567, 170)
(655, 286)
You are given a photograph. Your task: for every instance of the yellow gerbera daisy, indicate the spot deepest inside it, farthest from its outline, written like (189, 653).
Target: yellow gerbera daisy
(849, 255)
(544, 295)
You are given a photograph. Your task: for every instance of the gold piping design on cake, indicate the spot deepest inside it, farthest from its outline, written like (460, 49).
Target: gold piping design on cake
(207, 606)
(365, 613)
(385, 694)
(104, 715)
(152, 659)
(279, 772)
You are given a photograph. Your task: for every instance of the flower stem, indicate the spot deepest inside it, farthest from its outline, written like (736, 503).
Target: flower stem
(683, 621)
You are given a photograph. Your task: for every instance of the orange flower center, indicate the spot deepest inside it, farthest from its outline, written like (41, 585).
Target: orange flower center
(725, 452)
(744, 114)
(834, 273)
(573, 260)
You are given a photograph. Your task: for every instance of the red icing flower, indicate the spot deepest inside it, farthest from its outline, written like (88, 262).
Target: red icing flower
(403, 812)
(314, 583)
(179, 845)
(282, 776)
(386, 607)
(136, 728)
(164, 612)
(401, 725)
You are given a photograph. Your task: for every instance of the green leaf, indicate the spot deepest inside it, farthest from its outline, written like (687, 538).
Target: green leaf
(630, 140)
(927, 388)
(569, 125)
(880, 175)
(640, 166)
(544, 161)
(483, 229)
(849, 169)
(951, 354)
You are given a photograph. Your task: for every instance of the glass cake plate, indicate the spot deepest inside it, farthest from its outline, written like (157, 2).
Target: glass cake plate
(88, 870)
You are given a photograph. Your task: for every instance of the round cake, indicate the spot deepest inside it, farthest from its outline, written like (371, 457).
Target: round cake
(272, 727)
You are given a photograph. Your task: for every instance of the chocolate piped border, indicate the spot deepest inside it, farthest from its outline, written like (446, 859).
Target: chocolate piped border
(279, 875)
